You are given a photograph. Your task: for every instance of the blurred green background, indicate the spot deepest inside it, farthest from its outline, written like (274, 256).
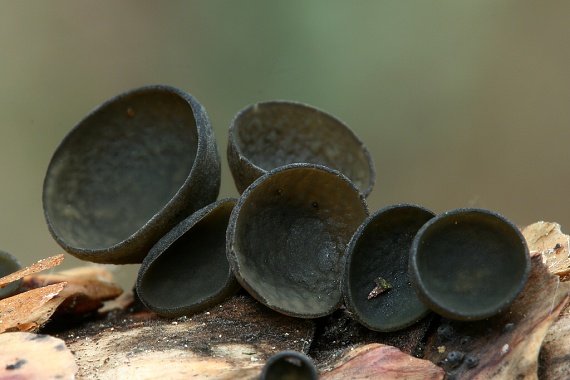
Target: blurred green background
(461, 103)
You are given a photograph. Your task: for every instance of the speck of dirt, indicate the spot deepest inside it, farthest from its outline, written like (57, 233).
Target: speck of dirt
(17, 365)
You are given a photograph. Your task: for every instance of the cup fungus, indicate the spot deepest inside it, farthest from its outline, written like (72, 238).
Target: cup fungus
(187, 270)
(8, 265)
(266, 135)
(287, 237)
(130, 171)
(376, 284)
(469, 264)
(289, 365)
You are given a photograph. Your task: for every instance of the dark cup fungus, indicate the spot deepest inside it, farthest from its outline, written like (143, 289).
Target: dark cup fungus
(469, 264)
(8, 265)
(289, 365)
(129, 172)
(187, 270)
(264, 136)
(376, 284)
(288, 234)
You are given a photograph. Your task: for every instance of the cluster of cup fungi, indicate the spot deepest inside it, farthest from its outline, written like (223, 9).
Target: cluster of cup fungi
(137, 180)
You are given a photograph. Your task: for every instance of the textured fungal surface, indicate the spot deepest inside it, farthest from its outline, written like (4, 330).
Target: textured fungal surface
(187, 270)
(128, 172)
(377, 286)
(288, 234)
(268, 135)
(469, 263)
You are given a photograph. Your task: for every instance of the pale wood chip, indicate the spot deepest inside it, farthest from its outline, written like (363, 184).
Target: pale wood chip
(546, 239)
(91, 272)
(35, 356)
(30, 310)
(41, 265)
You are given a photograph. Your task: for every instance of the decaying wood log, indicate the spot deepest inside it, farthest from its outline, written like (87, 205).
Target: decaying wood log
(234, 339)
(30, 310)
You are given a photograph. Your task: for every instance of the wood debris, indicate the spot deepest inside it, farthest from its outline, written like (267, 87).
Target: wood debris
(554, 363)
(30, 310)
(73, 292)
(41, 265)
(546, 239)
(381, 285)
(234, 339)
(378, 361)
(86, 290)
(26, 356)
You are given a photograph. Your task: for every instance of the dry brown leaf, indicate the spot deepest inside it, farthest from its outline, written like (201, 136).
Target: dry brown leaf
(35, 356)
(87, 288)
(547, 239)
(378, 361)
(505, 346)
(30, 310)
(41, 265)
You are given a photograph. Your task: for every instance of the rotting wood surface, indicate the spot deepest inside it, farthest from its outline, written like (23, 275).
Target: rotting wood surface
(233, 340)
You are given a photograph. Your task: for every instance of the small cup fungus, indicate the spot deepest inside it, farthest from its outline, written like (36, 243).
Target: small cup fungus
(376, 284)
(469, 264)
(187, 270)
(291, 365)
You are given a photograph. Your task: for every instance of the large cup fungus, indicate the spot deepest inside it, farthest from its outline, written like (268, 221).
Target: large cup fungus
(129, 172)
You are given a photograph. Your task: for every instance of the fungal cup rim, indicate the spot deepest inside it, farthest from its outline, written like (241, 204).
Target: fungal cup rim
(232, 141)
(346, 286)
(429, 296)
(231, 236)
(164, 245)
(202, 126)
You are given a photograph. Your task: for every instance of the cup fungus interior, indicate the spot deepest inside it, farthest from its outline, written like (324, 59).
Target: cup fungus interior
(377, 260)
(288, 235)
(119, 167)
(188, 269)
(274, 134)
(469, 264)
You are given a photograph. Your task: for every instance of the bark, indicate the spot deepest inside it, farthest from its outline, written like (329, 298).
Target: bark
(234, 339)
